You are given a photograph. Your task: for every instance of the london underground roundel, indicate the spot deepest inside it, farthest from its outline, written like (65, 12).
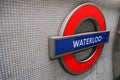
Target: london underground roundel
(81, 39)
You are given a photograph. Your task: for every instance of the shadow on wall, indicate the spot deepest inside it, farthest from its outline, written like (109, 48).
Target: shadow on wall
(118, 78)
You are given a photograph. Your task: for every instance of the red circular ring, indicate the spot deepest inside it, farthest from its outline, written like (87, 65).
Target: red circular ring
(82, 13)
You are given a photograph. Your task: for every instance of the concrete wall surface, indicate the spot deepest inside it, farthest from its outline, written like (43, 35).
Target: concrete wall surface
(25, 26)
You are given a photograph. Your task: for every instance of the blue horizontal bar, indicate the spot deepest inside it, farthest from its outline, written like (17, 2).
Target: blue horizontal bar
(72, 44)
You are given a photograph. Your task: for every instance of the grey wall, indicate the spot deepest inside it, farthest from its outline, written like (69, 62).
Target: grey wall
(25, 26)
(116, 53)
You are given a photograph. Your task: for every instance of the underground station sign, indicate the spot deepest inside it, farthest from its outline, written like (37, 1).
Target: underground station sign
(83, 29)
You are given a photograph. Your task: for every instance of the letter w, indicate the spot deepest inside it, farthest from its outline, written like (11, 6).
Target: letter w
(76, 44)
